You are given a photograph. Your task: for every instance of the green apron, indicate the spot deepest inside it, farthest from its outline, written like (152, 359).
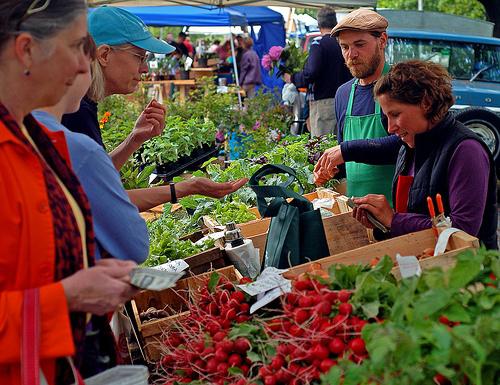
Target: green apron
(362, 178)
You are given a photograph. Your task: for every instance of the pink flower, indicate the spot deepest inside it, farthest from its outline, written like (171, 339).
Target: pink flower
(275, 52)
(266, 62)
(256, 126)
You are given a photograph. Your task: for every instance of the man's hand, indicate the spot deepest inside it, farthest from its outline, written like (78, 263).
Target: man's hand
(326, 168)
(208, 187)
(287, 77)
(150, 123)
(377, 205)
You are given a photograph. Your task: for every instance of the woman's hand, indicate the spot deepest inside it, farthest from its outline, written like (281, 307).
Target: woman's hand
(377, 205)
(208, 187)
(100, 289)
(326, 168)
(150, 123)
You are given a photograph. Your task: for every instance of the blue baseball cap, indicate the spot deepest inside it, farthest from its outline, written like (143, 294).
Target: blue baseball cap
(115, 26)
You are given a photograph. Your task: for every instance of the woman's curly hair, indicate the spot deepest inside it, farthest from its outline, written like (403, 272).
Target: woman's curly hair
(420, 83)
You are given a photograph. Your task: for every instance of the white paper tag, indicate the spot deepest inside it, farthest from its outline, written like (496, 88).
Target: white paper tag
(326, 203)
(175, 266)
(268, 280)
(443, 239)
(152, 178)
(408, 266)
(213, 236)
(271, 296)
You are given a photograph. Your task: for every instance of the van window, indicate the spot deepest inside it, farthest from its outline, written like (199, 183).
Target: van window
(462, 60)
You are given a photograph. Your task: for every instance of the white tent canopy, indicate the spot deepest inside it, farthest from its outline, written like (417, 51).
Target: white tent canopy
(228, 3)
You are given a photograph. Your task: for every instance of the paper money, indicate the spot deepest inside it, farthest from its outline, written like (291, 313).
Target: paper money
(152, 279)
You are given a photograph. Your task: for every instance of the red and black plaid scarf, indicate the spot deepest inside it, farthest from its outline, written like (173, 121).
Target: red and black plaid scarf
(68, 244)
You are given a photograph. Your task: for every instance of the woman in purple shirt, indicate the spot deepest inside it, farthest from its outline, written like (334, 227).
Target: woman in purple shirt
(439, 155)
(250, 75)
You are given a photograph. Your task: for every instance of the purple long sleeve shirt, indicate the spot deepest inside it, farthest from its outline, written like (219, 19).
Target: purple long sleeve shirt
(250, 68)
(468, 173)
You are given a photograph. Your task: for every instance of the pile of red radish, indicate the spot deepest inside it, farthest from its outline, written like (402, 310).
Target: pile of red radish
(314, 327)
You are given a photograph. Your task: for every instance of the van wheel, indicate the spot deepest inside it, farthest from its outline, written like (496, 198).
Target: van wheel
(486, 124)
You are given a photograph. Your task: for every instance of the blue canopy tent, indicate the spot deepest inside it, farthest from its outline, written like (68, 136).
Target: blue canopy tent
(272, 32)
(186, 15)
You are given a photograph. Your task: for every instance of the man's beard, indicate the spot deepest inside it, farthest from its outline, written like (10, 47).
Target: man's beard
(364, 70)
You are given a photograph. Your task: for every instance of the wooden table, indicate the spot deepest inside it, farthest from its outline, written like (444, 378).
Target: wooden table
(183, 86)
(202, 71)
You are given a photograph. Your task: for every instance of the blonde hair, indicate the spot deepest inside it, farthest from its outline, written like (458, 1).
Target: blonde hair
(97, 90)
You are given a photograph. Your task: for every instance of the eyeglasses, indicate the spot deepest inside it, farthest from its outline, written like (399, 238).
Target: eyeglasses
(142, 58)
(35, 7)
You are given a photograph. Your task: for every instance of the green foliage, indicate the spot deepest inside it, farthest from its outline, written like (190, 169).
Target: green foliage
(261, 124)
(205, 103)
(166, 231)
(124, 112)
(469, 8)
(299, 153)
(179, 138)
(223, 211)
(132, 178)
(293, 57)
(164, 234)
(414, 343)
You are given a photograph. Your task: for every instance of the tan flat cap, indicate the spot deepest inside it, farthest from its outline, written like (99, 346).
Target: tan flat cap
(361, 19)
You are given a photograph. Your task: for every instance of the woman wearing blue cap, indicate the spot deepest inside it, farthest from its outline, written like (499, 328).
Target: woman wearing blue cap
(123, 41)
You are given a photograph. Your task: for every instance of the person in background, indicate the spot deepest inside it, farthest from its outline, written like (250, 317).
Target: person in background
(434, 159)
(239, 50)
(189, 46)
(119, 75)
(181, 43)
(214, 46)
(47, 243)
(362, 38)
(323, 73)
(170, 38)
(224, 51)
(250, 75)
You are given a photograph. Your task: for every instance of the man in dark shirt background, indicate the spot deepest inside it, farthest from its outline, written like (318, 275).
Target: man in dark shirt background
(323, 73)
(181, 44)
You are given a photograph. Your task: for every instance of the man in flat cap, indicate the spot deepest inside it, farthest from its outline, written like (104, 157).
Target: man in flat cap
(323, 72)
(362, 37)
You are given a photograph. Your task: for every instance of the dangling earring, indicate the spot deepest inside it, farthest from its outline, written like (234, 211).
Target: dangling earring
(27, 72)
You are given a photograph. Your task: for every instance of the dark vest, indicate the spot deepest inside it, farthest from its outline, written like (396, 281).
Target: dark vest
(433, 151)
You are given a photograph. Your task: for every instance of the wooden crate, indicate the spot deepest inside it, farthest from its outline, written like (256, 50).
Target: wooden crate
(409, 244)
(155, 212)
(342, 231)
(213, 258)
(174, 301)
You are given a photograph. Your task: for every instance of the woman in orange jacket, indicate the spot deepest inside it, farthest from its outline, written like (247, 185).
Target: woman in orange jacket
(46, 240)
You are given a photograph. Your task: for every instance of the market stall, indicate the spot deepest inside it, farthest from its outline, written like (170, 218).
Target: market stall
(271, 31)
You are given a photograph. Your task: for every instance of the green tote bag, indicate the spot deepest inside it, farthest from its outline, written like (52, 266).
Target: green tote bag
(296, 234)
